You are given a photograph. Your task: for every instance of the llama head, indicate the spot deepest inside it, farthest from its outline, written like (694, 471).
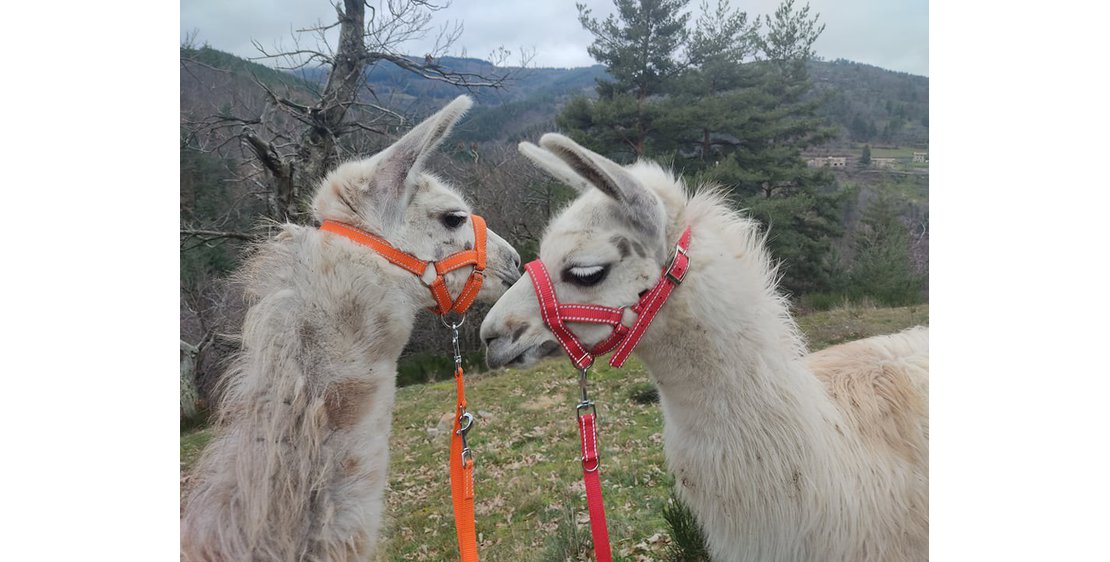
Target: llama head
(391, 195)
(606, 248)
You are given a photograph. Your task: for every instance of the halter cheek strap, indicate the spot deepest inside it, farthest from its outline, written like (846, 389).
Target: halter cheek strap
(623, 339)
(418, 267)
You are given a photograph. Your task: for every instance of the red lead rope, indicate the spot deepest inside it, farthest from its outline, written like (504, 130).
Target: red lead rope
(587, 431)
(623, 339)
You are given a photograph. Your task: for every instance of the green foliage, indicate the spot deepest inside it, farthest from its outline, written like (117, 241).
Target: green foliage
(865, 157)
(801, 229)
(723, 117)
(204, 194)
(883, 267)
(687, 539)
(862, 100)
(644, 393)
(420, 368)
(639, 46)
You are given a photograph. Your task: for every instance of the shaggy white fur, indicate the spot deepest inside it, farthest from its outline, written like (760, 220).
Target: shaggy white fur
(298, 469)
(780, 455)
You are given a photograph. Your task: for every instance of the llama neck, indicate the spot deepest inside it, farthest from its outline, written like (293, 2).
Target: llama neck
(728, 362)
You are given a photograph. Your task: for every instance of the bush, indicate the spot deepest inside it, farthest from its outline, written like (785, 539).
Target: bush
(420, 368)
(687, 539)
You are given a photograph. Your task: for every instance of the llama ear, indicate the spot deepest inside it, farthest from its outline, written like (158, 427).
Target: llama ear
(553, 166)
(401, 163)
(640, 206)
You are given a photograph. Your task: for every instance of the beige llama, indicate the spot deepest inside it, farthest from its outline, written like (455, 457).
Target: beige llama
(298, 469)
(781, 456)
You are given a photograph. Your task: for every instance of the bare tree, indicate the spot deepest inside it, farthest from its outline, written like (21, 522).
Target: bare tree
(292, 141)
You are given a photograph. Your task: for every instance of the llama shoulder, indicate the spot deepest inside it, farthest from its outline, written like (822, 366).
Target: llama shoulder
(881, 385)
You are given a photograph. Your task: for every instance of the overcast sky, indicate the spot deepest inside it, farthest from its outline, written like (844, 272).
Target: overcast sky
(892, 34)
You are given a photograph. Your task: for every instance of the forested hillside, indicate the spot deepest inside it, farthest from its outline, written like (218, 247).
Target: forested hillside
(866, 104)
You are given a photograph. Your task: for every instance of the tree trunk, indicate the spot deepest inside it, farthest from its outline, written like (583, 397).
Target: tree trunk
(317, 152)
(189, 393)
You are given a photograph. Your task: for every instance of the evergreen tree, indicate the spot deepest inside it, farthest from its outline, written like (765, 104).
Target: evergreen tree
(757, 130)
(638, 45)
(865, 157)
(737, 112)
(883, 266)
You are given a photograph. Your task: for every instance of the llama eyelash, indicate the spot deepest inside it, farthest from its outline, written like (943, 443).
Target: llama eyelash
(585, 271)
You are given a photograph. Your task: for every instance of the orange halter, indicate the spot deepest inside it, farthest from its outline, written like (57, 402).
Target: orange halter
(461, 465)
(418, 267)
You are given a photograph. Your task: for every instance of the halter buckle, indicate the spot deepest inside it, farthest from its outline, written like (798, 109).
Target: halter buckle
(671, 266)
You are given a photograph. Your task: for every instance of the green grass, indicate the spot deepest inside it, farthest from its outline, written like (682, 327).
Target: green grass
(531, 501)
(901, 152)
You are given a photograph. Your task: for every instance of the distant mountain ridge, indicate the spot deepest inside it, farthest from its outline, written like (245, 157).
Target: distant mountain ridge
(866, 103)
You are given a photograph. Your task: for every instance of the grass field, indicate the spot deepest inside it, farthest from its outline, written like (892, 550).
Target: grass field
(530, 502)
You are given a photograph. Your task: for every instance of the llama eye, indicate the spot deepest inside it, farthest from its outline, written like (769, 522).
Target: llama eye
(454, 219)
(585, 276)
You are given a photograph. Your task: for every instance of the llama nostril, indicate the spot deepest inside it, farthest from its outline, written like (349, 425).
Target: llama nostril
(488, 341)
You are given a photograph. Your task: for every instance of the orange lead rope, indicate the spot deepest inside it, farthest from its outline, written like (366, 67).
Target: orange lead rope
(462, 464)
(462, 460)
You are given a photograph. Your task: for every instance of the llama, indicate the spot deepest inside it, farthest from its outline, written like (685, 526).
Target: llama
(780, 456)
(298, 470)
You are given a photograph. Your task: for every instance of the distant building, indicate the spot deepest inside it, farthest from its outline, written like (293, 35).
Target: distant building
(884, 162)
(828, 162)
(921, 157)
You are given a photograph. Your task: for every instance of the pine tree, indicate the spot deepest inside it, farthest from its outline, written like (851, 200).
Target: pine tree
(737, 111)
(638, 45)
(753, 132)
(883, 266)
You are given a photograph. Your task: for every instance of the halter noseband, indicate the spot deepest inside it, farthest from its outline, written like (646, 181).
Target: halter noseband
(419, 267)
(623, 339)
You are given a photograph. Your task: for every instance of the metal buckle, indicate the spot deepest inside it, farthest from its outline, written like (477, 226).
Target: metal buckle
(584, 405)
(670, 267)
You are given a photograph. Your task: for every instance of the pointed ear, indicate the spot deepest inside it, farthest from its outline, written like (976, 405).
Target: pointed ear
(556, 168)
(403, 161)
(641, 208)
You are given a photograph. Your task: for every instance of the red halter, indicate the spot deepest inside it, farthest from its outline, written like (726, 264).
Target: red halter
(624, 339)
(418, 267)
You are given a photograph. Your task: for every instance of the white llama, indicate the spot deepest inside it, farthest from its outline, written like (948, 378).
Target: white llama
(780, 455)
(298, 469)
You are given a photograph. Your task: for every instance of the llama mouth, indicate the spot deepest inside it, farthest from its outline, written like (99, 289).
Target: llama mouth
(498, 354)
(509, 279)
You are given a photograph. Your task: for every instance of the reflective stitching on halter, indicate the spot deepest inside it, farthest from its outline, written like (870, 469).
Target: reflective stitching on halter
(593, 439)
(591, 320)
(468, 289)
(635, 338)
(543, 308)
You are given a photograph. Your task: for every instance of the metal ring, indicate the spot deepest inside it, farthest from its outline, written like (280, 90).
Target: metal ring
(452, 325)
